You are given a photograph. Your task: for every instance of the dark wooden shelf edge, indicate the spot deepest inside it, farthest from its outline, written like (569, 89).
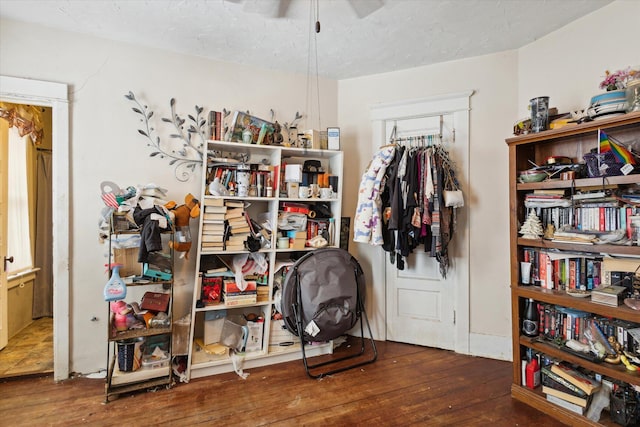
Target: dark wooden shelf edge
(613, 371)
(126, 388)
(580, 182)
(595, 249)
(550, 135)
(551, 296)
(538, 401)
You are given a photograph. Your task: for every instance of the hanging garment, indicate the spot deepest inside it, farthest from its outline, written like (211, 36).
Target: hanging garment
(367, 223)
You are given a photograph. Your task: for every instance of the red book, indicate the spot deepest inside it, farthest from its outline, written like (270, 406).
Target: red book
(543, 258)
(602, 222)
(572, 274)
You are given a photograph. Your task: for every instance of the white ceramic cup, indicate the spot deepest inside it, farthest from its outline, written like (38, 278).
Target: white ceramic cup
(326, 193)
(304, 192)
(283, 243)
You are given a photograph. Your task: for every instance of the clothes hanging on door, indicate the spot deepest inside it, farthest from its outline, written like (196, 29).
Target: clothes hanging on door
(401, 203)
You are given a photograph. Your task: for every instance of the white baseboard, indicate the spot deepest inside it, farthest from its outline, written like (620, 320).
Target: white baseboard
(491, 346)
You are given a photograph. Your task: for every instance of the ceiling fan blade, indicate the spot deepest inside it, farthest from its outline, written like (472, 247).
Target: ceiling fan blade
(364, 8)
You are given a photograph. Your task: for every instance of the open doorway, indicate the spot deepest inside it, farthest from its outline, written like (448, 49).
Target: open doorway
(26, 347)
(54, 96)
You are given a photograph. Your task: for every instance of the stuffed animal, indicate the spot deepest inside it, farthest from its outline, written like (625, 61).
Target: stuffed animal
(181, 216)
(121, 313)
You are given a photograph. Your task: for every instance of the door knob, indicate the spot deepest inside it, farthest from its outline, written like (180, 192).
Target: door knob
(6, 261)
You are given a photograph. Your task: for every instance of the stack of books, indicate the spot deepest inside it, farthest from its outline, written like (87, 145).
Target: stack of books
(212, 284)
(608, 295)
(568, 387)
(233, 295)
(214, 225)
(263, 293)
(238, 226)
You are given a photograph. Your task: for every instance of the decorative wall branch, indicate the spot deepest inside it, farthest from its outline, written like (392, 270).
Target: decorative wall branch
(189, 155)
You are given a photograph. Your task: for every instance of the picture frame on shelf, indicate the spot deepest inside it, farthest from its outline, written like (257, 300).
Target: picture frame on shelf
(256, 125)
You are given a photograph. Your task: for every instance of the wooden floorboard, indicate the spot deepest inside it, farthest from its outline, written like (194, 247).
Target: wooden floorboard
(407, 386)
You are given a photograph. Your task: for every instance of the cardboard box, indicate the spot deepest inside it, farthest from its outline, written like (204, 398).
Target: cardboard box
(316, 139)
(129, 259)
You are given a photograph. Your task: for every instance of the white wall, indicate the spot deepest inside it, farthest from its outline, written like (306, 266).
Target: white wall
(569, 64)
(491, 117)
(105, 144)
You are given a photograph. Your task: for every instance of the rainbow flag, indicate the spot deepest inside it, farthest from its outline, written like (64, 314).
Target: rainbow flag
(622, 155)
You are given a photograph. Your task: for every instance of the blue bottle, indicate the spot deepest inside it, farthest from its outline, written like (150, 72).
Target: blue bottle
(115, 289)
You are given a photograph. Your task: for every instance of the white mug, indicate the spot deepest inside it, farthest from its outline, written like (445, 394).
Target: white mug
(304, 192)
(326, 193)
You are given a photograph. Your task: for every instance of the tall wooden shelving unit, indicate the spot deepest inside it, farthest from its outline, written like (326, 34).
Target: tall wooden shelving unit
(199, 362)
(573, 142)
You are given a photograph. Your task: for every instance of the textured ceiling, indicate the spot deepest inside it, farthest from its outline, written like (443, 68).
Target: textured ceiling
(401, 34)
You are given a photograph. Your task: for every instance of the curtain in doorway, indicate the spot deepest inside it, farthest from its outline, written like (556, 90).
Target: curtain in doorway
(43, 285)
(18, 232)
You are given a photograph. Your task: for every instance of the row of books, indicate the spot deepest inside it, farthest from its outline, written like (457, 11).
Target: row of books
(561, 323)
(589, 218)
(259, 179)
(549, 272)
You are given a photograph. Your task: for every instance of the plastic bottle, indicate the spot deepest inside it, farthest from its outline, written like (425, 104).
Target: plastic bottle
(115, 289)
(531, 319)
(533, 373)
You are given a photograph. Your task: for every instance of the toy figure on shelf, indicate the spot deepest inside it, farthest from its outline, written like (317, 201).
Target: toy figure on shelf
(181, 216)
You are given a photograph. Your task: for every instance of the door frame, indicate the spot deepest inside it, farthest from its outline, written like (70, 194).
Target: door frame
(54, 95)
(457, 104)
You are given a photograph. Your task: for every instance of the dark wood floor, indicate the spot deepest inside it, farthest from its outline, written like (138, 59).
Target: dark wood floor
(407, 385)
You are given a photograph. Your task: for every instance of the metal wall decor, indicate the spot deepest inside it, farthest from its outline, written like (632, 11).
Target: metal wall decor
(186, 157)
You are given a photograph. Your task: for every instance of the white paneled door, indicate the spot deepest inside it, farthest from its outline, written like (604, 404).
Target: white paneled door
(422, 306)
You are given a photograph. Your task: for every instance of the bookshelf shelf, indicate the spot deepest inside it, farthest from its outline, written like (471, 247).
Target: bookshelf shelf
(617, 372)
(573, 142)
(537, 400)
(576, 247)
(270, 161)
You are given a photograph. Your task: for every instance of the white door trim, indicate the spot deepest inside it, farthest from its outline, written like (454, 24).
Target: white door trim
(54, 95)
(459, 105)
